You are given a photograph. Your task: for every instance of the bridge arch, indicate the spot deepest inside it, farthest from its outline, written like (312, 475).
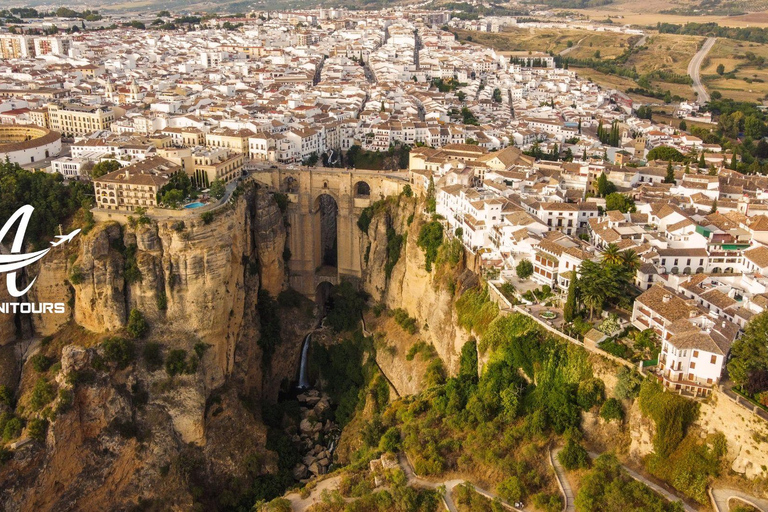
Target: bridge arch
(362, 189)
(325, 215)
(290, 185)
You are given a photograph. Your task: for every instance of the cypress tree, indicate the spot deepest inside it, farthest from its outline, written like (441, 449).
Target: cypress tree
(569, 309)
(670, 177)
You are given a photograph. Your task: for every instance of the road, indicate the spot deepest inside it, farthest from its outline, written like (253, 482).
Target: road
(569, 50)
(694, 70)
(720, 498)
(565, 485)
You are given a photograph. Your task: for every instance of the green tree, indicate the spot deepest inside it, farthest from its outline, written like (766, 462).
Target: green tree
(524, 269)
(720, 69)
(431, 198)
(217, 189)
(119, 350)
(137, 325)
(670, 176)
(620, 202)
(104, 167)
(612, 410)
(665, 153)
(603, 186)
(749, 354)
(683, 126)
(570, 307)
(573, 455)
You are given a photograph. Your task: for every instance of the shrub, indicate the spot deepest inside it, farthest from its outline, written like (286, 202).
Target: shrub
(119, 351)
(590, 392)
(476, 310)
(42, 394)
(573, 456)
(40, 362)
(672, 414)
(390, 441)
(206, 217)
(12, 429)
(36, 429)
(153, 356)
(6, 396)
(403, 320)
(76, 276)
(176, 363)
(612, 410)
(628, 384)
(430, 239)
(137, 325)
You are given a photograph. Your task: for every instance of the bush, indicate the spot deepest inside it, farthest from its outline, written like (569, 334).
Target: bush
(524, 269)
(476, 310)
(6, 396)
(430, 239)
(590, 392)
(40, 363)
(403, 320)
(153, 356)
(36, 429)
(612, 410)
(628, 384)
(573, 456)
(206, 217)
(42, 394)
(672, 414)
(176, 362)
(511, 490)
(120, 351)
(390, 441)
(137, 325)
(12, 429)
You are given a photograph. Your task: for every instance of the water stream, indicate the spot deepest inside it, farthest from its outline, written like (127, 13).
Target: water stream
(303, 380)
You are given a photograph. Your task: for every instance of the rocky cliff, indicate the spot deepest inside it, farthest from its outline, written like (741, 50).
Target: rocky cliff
(424, 295)
(123, 435)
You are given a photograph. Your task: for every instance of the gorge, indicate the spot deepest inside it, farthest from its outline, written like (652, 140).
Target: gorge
(213, 407)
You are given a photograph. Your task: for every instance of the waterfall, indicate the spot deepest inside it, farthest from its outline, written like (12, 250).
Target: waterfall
(303, 380)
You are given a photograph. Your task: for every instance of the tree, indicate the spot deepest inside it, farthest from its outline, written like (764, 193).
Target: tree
(749, 353)
(612, 254)
(612, 410)
(621, 202)
(104, 167)
(702, 161)
(573, 456)
(137, 325)
(570, 307)
(714, 206)
(172, 198)
(670, 177)
(119, 351)
(683, 126)
(217, 189)
(431, 200)
(603, 186)
(665, 153)
(630, 260)
(720, 69)
(524, 269)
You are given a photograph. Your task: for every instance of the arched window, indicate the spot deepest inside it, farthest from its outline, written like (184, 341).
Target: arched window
(362, 189)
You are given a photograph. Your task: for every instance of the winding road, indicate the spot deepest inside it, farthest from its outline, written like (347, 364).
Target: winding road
(694, 70)
(721, 497)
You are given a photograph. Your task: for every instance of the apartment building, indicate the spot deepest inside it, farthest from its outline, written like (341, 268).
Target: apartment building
(15, 46)
(73, 120)
(51, 46)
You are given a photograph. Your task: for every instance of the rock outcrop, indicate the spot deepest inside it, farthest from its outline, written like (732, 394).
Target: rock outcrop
(410, 286)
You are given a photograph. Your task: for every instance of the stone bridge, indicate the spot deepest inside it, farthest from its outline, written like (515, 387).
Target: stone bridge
(323, 207)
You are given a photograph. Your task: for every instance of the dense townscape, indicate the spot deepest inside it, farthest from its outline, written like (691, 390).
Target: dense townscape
(559, 190)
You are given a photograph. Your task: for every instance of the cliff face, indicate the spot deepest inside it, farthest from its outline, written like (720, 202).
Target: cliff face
(410, 286)
(136, 433)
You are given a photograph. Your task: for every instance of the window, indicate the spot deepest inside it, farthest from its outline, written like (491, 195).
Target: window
(695, 353)
(713, 360)
(693, 365)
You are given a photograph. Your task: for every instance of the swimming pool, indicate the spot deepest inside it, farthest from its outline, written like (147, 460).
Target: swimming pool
(194, 205)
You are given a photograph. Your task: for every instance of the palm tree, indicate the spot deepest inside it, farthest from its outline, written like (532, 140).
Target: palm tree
(612, 254)
(630, 260)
